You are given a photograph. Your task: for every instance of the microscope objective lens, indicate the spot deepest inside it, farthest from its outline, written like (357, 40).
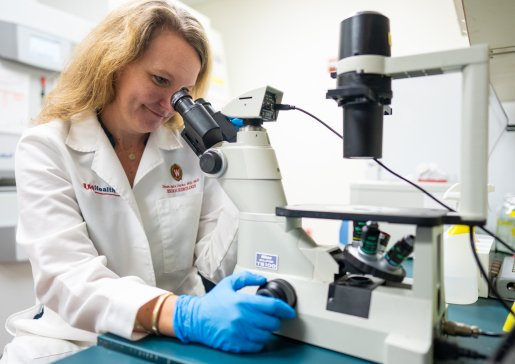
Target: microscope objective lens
(400, 251)
(370, 237)
(384, 238)
(356, 233)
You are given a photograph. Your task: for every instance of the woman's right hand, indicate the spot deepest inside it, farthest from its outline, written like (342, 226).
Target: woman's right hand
(227, 320)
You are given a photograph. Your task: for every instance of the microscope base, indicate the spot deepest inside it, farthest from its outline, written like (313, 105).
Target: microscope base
(383, 337)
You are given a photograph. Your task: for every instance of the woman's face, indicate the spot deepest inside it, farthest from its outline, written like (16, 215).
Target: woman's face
(145, 87)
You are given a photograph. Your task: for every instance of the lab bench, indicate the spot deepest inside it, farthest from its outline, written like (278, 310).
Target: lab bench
(487, 314)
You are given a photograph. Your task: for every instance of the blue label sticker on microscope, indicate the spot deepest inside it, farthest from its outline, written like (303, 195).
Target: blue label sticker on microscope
(267, 261)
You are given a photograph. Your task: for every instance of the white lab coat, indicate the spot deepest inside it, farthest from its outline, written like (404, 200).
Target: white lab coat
(89, 235)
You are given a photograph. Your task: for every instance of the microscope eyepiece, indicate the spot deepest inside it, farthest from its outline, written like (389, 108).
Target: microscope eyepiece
(201, 131)
(180, 97)
(207, 105)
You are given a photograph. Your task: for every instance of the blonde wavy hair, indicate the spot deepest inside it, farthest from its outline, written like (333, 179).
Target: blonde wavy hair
(88, 80)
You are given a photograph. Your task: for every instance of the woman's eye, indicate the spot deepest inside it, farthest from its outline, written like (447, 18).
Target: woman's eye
(160, 80)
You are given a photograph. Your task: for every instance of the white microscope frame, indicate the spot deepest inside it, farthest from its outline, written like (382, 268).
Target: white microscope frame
(403, 319)
(473, 63)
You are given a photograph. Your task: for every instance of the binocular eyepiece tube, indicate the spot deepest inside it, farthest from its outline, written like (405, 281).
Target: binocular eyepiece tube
(201, 131)
(203, 128)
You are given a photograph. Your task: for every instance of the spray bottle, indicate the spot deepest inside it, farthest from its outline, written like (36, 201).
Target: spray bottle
(460, 269)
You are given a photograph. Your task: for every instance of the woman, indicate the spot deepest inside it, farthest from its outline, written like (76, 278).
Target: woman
(115, 213)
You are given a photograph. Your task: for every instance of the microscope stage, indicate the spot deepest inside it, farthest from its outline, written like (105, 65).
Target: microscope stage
(394, 215)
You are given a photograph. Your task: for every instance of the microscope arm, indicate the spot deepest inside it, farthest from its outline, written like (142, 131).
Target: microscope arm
(248, 171)
(251, 177)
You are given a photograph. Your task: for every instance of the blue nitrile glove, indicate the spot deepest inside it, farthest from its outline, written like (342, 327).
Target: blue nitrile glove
(238, 123)
(227, 320)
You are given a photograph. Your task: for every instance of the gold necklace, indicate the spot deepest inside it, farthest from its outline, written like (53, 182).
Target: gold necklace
(131, 155)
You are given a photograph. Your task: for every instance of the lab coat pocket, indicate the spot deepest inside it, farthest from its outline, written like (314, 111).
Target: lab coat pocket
(179, 220)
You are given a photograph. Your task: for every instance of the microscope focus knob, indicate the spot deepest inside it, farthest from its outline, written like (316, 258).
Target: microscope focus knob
(210, 163)
(279, 288)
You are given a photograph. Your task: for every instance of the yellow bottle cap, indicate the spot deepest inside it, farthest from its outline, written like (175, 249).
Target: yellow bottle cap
(460, 229)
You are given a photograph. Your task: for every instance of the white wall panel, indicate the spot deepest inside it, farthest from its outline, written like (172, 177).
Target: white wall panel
(287, 44)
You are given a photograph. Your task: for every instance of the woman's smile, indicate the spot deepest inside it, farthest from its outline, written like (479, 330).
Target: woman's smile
(154, 113)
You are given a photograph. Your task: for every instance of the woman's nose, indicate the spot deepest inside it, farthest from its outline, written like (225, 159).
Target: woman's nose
(165, 103)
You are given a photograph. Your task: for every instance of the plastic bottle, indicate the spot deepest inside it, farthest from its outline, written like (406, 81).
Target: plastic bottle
(506, 224)
(460, 268)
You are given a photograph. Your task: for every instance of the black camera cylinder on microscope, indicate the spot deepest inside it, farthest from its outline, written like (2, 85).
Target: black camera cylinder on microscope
(364, 33)
(363, 130)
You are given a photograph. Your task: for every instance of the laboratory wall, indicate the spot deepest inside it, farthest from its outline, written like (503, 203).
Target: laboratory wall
(425, 127)
(92, 10)
(290, 44)
(43, 39)
(96, 10)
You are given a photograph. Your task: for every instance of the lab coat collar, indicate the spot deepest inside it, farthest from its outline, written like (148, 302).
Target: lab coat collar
(168, 139)
(150, 159)
(84, 131)
(163, 138)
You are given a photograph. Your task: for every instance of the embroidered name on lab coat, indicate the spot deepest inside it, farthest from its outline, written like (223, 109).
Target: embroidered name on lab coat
(101, 190)
(181, 186)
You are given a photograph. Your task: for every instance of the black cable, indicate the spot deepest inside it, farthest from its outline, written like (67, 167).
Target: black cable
(453, 328)
(446, 350)
(313, 116)
(498, 239)
(293, 107)
(444, 205)
(485, 276)
(504, 352)
(493, 334)
(414, 185)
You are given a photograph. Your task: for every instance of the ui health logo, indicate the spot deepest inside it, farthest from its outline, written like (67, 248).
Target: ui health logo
(101, 190)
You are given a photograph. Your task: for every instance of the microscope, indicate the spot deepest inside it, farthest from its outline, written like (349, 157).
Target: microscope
(356, 301)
